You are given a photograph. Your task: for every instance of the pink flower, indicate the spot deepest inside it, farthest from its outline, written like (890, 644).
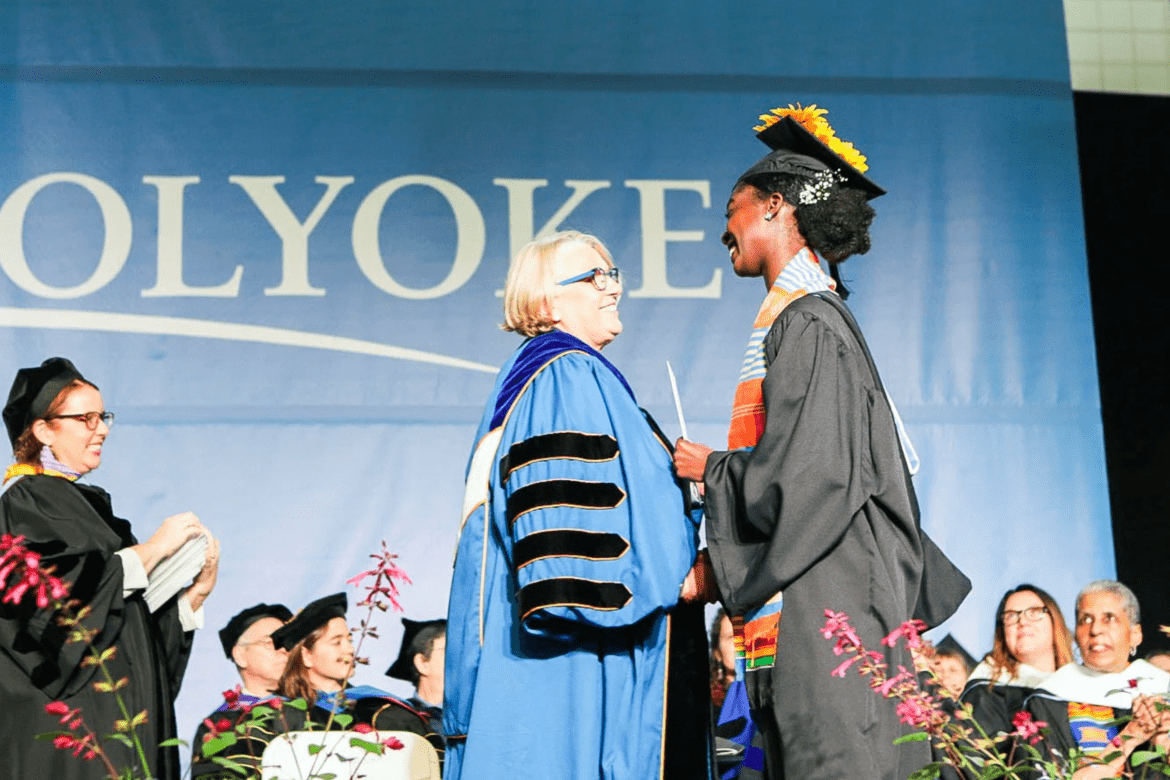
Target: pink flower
(56, 708)
(394, 743)
(1027, 728)
(17, 592)
(911, 630)
(363, 728)
(914, 713)
(840, 670)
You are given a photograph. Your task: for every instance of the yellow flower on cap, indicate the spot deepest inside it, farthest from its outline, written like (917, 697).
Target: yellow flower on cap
(813, 120)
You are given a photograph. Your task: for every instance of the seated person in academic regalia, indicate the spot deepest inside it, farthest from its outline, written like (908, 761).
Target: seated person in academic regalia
(1031, 642)
(320, 663)
(1080, 703)
(420, 662)
(247, 642)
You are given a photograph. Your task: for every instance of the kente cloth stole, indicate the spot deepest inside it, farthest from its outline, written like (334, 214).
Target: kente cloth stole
(756, 631)
(802, 275)
(1092, 726)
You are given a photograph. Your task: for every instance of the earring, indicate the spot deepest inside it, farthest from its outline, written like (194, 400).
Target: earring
(768, 216)
(1133, 651)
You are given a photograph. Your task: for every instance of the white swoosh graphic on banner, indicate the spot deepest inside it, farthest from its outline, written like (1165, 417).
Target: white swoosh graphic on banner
(65, 319)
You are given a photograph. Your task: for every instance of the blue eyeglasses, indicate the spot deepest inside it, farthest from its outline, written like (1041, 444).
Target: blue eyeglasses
(599, 276)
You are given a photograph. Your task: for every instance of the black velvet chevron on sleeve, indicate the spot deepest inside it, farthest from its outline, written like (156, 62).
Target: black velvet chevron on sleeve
(570, 445)
(572, 592)
(563, 492)
(569, 543)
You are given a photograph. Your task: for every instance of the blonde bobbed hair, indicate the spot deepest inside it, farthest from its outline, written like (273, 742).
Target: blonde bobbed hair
(529, 288)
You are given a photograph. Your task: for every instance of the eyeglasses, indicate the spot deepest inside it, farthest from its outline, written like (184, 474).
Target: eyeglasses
(264, 641)
(599, 276)
(1030, 615)
(89, 418)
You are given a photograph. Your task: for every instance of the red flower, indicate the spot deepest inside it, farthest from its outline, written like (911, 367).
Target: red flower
(64, 742)
(223, 725)
(232, 697)
(1133, 683)
(56, 708)
(363, 728)
(394, 743)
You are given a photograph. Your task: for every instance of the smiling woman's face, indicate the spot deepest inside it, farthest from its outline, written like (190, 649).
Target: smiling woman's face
(579, 308)
(330, 661)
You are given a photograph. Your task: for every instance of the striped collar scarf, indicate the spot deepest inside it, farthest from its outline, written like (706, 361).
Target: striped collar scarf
(801, 276)
(48, 465)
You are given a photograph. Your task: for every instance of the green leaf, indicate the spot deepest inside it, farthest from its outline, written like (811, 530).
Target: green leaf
(298, 704)
(928, 772)
(50, 735)
(218, 743)
(125, 740)
(992, 771)
(369, 747)
(173, 742)
(315, 749)
(233, 765)
(1140, 757)
(343, 720)
(917, 736)
(324, 776)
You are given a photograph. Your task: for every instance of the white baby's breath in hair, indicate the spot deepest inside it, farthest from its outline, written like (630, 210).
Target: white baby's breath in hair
(820, 187)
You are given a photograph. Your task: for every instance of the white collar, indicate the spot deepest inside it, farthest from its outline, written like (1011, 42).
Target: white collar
(1073, 682)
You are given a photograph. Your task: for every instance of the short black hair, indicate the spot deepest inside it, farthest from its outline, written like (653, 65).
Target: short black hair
(836, 227)
(424, 643)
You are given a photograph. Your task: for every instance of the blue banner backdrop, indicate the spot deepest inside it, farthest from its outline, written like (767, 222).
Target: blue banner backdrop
(274, 235)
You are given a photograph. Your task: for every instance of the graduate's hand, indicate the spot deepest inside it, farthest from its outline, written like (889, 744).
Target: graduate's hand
(690, 460)
(699, 585)
(205, 580)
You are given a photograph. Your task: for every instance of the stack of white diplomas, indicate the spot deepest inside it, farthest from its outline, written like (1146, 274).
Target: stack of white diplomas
(175, 571)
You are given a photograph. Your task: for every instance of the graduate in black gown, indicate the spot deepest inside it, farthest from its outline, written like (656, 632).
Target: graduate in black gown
(814, 497)
(57, 425)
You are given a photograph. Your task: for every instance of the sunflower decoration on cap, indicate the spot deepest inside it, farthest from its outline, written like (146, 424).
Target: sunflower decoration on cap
(813, 120)
(804, 143)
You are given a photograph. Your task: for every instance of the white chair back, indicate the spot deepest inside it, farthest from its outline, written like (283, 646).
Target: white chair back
(295, 756)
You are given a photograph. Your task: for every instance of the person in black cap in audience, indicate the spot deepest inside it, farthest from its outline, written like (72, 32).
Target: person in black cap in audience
(58, 424)
(320, 663)
(420, 662)
(813, 496)
(247, 642)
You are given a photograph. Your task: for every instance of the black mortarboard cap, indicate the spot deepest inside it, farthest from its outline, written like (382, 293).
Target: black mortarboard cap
(33, 391)
(796, 150)
(231, 633)
(313, 616)
(403, 666)
(951, 645)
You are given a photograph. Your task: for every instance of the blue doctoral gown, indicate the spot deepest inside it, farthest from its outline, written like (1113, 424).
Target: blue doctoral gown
(575, 541)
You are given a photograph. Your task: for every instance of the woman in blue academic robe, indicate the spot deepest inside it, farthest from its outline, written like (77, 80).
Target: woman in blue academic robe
(565, 650)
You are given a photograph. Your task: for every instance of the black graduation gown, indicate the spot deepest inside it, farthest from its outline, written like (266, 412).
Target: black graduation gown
(74, 529)
(823, 508)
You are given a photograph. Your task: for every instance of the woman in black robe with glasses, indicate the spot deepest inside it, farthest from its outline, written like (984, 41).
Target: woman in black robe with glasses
(57, 425)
